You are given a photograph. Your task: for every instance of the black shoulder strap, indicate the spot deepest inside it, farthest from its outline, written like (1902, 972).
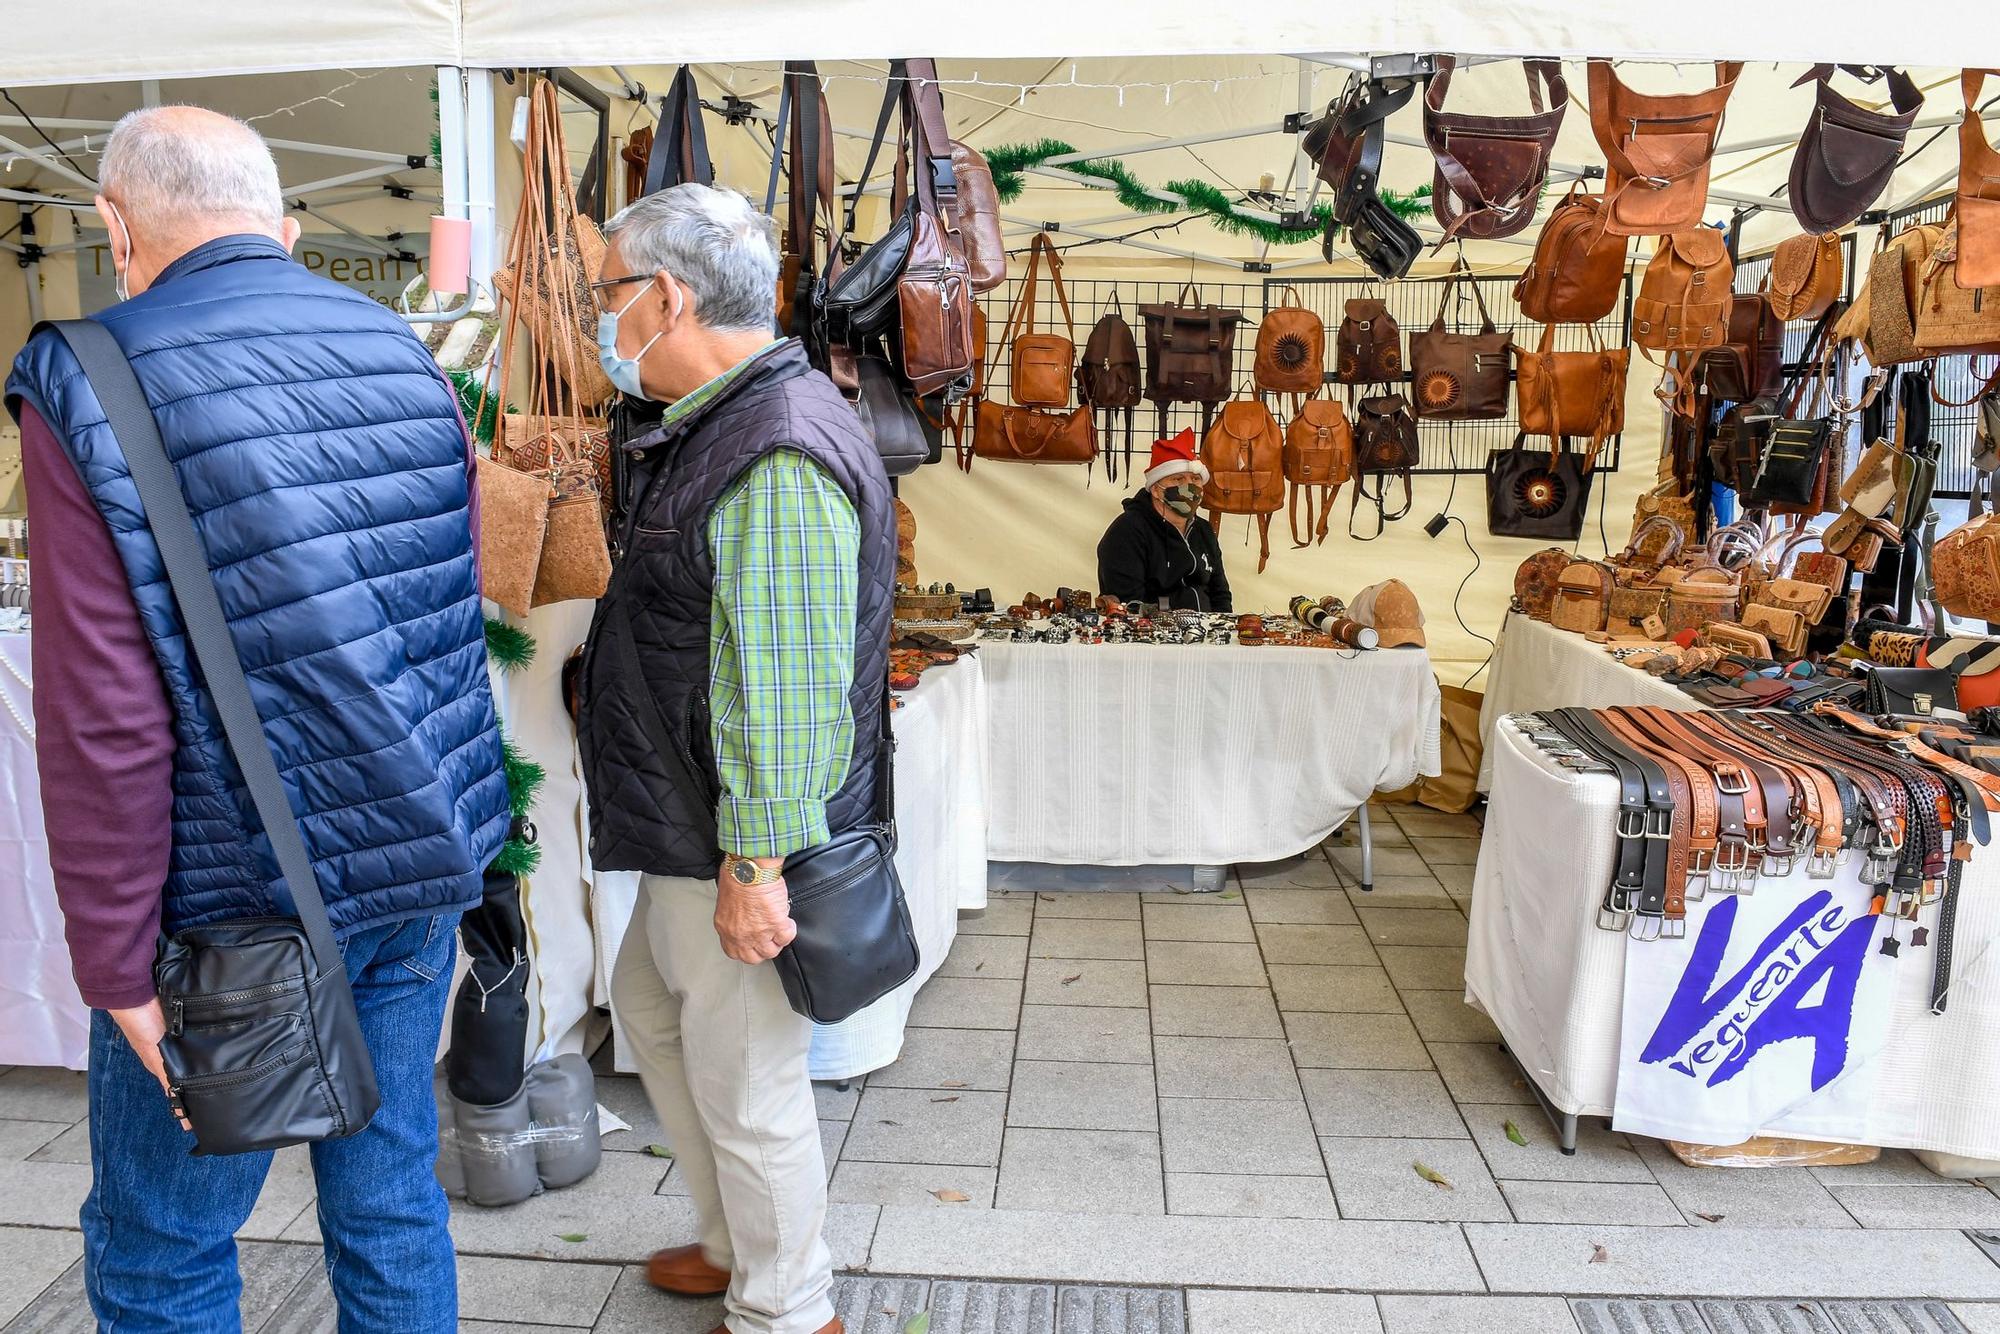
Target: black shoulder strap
(138, 434)
(680, 143)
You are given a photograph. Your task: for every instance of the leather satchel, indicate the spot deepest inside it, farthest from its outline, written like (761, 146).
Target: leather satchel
(1978, 201)
(1910, 691)
(1578, 269)
(1572, 393)
(1657, 149)
(1385, 446)
(1535, 582)
(1806, 276)
(1346, 145)
(1024, 435)
(1291, 348)
(1460, 376)
(1319, 453)
(1490, 169)
(1536, 494)
(1368, 346)
(1190, 349)
(1848, 152)
(1044, 364)
(1750, 363)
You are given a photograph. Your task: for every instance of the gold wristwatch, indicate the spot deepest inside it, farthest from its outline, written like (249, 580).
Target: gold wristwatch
(747, 873)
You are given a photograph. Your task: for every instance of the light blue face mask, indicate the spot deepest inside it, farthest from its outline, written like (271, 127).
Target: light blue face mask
(623, 372)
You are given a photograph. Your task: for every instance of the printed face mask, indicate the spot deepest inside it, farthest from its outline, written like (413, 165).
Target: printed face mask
(623, 372)
(1184, 499)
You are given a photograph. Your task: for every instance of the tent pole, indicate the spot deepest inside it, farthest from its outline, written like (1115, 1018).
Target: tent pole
(54, 164)
(1190, 256)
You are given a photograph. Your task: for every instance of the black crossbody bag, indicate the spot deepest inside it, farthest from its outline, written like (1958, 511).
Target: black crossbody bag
(263, 1047)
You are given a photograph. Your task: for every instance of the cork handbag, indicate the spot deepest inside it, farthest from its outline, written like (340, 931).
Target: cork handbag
(1583, 597)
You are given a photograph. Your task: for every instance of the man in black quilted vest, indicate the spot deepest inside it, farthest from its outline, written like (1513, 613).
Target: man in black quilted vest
(740, 650)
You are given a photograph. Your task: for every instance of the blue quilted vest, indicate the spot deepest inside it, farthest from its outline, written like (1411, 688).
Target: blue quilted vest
(324, 463)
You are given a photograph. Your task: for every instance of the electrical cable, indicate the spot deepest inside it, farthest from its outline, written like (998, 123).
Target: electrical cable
(60, 151)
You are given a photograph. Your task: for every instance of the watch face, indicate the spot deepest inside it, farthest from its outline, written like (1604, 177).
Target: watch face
(745, 872)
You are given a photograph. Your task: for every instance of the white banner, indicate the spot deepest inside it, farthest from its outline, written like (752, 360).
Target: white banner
(1766, 1017)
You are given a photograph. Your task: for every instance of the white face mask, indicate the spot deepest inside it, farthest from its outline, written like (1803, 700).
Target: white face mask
(623, 372)
(121, 285)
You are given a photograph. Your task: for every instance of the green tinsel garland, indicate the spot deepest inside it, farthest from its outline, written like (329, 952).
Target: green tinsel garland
(481, 418)
(510, 647)
(1010, 162)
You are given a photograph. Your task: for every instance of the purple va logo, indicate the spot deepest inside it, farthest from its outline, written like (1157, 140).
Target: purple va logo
(1799, 983)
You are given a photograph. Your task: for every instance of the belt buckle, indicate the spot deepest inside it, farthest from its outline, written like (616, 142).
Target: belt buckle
(1877, 869)
(1674, 928)
(1659, 824)
(1743, 785)
(1696, 888)
(1632, 823)
(1647, 926)
(1732, 856)
(1775, 866)
(1820, 866)
(1613, 919)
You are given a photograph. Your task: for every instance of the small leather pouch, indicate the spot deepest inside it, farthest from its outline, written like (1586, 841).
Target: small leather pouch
(1808, 599)
(1785, 629)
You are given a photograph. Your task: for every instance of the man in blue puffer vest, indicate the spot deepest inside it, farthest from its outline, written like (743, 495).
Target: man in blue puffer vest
(329, 477)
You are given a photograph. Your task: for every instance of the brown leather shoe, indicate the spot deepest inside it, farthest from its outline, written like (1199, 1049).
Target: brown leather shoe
(684, 1270)
(833, 1327)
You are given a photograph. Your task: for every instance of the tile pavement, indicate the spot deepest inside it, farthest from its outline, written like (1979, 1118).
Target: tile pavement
(1231, 1094)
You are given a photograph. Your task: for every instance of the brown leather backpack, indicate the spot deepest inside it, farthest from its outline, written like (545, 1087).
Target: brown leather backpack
(1490, 169)
(1578, 269)
(1657, 149)
(1107, 376)
(1460, 376)
(1319, 452)
(1751, 361)
(1190, 349)
(1683, 304)
(1805, 277)
(1368, 348)
(1245, 455)
(1385, 445)
(1291, 348)
(1044, 364)
(1848, 152)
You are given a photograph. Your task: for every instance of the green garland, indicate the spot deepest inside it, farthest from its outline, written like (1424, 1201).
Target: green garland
(1010, 163)
(481, 409)
(512, 649)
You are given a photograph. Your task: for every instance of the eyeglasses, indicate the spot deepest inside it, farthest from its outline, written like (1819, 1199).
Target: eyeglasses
(603, 286)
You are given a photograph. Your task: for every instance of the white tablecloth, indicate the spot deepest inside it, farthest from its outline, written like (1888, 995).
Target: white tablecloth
(1536, 666)
(1554, 983)
(941, 782)
(42, 1019)
(1140, 754)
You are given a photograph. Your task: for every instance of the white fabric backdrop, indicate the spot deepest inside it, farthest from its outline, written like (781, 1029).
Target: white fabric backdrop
(1555, 984)
(1537, 666)
(1092, 764)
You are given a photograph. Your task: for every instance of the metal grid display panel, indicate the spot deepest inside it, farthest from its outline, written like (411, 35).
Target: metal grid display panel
(1951, 377)
(1750, 276)
(1447, 447)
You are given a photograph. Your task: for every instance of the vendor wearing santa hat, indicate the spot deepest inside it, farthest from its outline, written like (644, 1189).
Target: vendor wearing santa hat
(1159, 551)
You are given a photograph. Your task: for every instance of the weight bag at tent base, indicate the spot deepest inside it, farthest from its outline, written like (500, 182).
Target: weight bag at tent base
(546, 1136)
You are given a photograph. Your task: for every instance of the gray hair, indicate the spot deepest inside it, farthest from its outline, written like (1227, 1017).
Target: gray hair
(178, 166)
(715, 242)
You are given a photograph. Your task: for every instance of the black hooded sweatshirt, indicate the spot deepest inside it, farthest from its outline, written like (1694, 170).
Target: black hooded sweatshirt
(1141, 558)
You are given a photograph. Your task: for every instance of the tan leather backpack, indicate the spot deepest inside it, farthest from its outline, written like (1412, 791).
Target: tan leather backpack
(1578, 270)
(1657, 149)
(1683, 305)
(1805, 278)
(1245, 455)
(1319, 452)
(1291, 348)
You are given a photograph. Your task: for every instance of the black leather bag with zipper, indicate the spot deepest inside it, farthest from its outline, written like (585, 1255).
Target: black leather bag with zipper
(263, 1048)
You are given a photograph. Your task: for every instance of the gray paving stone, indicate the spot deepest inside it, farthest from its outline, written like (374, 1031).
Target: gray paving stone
(72, 1146)
(1744, 1197)
(832, 1135)
(1228, 1312)
(1724, 1262)
(1196, 1252)
(1424, 967)
(1479, 1072)
(913, 1126)
(43, 1093)
(1304, 907)
(1082, 1095)
(1117, 982)
(933, 1058)
(1389, 860)
(1180, 921)
(986, 956)
(1085, 1033)
(1377, 1178)
(836, 1102)
(1081, 1171)
(626, 1096)
(1970, 1205)
(1456, 879)
(42, 1194)
(1444, 1016)
(992, 1308)
(1002, 916)
(1184, 894)
(289, 1190)
(61, 1308)
(1405, 1104)
(536, 1292)
(1414, 926)
(1235, 1195)
(1355, 1042)
(1215, 1012)
(1407, 891)
(309, 1308)
(878, 1305)
(1438, 852)
(1120, 1311)
(967, 1002)
(1311, 871)
(1475, 1315)
(1109, 904)
(1227, 1068)
(1347, 988)
(1423, 822)
(1086, 938)
(509, 1327)
(1591, 1202)
(912, 1183)
(30, 1260)
(1289, 943)
(1978, 1317)
(1895, 1167)
(1239, 1136)
(616, 1208)
(1601, 1154)
(1200, 964)
(25, 1139)
(637, 1307)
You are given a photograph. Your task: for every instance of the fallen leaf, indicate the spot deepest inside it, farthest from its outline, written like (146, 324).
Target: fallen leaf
(953, 1084)
(1709, 1218)
(979, 967)
(888, 1123)
(1228, 896)
(920, 1323)
(1046, 898)
(1599, 1256)
(952, 1098)
(949, 1196)
(1073, 977)
(572, 1236)
(1432, 1175)
(660, 1151)
(1514, 1133)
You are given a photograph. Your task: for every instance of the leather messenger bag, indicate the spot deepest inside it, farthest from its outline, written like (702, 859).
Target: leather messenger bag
(1490, 169)
(1657, 150)
(1848, 152)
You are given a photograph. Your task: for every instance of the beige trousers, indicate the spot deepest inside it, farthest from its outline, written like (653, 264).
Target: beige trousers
(723, 1059)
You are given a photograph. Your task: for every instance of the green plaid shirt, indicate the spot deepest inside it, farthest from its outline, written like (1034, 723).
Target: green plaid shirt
(786, 546)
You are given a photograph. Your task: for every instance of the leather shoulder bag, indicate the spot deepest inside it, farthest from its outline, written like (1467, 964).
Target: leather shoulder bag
(1657, 149)
(1953, 317)
(1848, 152)
(1490, 169)
(1978, 201)
(1460, 376)
(1346, 145)
(1578, 269)
(1751, 359)
(680, 143)
(1044, 364)
(1806, 276)
(263, 1047)
(1532, 494)
(1578, 393)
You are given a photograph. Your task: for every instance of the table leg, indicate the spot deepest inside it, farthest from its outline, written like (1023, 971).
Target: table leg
(1565, 1123)
(1367, 851)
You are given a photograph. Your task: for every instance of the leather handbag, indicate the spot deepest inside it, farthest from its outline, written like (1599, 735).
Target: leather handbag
(1023, 435)
(1368, 346)
(1536, 494)
(1578, 394)
(1700, 595)
(1385, 446)
(1460, 376)
(1044, 364)
(1657, 149)
(855, 943)
(1583, 597)
(904, 437)
(1953, 318)
(1346, 145)
(1578, 269)
(979, 218)
(1490, 169)
(1291, 348)
(1190, 349)
(1910, 691)
(1805, 277)
(1739, 441)
(1894, 276)
(679, 153)
(1631, 606)
(1245, 455)
(1848, 152)
(263, 1047)
(1978, 201)
(1751, 359)
(1319, 453)
(1535, 582)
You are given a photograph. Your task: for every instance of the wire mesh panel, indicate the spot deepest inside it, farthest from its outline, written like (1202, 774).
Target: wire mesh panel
(1753, 272)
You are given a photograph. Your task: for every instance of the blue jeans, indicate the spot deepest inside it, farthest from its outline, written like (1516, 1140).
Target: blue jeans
(159, 1225)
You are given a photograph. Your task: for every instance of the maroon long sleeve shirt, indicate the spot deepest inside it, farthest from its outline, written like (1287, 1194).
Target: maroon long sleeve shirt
(104, 730)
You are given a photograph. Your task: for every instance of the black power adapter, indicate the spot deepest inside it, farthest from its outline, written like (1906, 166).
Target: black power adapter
(1436, 524)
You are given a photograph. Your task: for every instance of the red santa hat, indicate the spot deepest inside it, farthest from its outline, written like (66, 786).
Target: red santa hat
(1175, 455)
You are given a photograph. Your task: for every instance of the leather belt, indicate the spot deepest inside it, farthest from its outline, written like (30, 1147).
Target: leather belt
(1646, 811)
